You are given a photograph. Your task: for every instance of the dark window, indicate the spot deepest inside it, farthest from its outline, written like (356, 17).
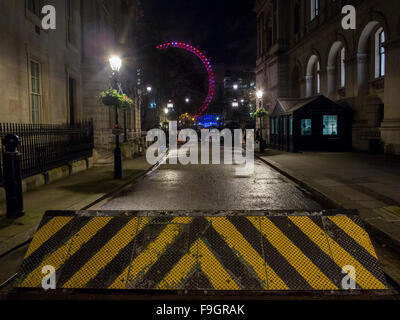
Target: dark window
(36, 91)
(296, 18)
(35, 6)
(69, 20)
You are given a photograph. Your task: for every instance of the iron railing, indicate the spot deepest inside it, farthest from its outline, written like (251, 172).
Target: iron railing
(48, 146)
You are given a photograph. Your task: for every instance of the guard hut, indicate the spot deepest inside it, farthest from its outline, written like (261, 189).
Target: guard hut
(314, 124)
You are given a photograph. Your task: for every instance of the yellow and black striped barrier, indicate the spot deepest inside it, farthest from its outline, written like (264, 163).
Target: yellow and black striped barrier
(274, 253)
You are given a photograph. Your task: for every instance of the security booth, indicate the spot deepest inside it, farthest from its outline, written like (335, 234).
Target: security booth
(316, 123)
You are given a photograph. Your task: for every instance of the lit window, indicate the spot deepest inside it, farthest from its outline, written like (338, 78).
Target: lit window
(306, 127)
(36, 97)
(380, 53)
(343, 68)
(314, 5)
(330, 126)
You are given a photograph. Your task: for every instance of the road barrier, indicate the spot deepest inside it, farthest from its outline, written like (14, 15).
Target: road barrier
(307, 252)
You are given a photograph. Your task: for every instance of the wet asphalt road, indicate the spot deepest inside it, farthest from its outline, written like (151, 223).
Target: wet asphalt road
(212, 187)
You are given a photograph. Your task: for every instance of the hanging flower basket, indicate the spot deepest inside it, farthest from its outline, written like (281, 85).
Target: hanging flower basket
(125, 102)
(261, 112)
(110, 97)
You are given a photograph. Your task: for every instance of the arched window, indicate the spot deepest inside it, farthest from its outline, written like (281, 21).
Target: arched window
(314, 6)
(343, 67)
(380, 54)
(317, 78)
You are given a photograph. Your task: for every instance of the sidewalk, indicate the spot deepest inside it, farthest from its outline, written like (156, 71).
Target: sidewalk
(369, 183)
(72, 193)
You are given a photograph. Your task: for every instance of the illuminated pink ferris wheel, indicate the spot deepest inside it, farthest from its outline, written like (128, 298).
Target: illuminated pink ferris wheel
(207, 65)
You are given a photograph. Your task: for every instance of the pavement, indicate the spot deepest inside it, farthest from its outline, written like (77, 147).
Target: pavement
(76, 192)
(368, 183)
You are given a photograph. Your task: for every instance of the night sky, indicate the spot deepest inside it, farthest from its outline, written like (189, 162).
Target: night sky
(224, 29)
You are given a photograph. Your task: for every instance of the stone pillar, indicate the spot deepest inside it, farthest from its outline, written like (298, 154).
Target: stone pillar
(330, 74)
(390, 128)
(362, 73)
(309, 85)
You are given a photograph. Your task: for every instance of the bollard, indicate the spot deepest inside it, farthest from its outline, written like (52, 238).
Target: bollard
(13, 177)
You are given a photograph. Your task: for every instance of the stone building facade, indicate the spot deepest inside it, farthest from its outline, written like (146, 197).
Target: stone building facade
(303, 51)
(55, 76)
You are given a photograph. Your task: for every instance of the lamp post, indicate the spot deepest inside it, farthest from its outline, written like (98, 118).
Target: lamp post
(260, 95)
(115, 63)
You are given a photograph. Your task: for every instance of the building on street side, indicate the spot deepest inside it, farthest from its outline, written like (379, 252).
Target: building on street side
(303, 51)
(55, 76)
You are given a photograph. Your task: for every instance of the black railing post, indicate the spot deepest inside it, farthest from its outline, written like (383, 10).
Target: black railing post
(13, 177)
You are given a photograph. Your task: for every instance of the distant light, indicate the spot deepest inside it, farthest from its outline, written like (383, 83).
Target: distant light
(170, 105)
(149, 89)
(235, 87)
(260, 94)
(242, 101)
(166, 110)
(187, 100)
(217, 118)
(115, 63)
(235, 104)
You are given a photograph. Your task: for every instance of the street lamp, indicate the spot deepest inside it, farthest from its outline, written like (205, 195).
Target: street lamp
(149, 88)
(187, 100)
(260, 95)
(235, 87)
(115, 63)
(166, 110)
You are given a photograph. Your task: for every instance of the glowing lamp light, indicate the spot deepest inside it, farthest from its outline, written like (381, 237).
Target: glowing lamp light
(187, 100)
(260, 94)
(235, 87)
(149, 89)
(115, 63)
(235, 104)
(166, 110)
